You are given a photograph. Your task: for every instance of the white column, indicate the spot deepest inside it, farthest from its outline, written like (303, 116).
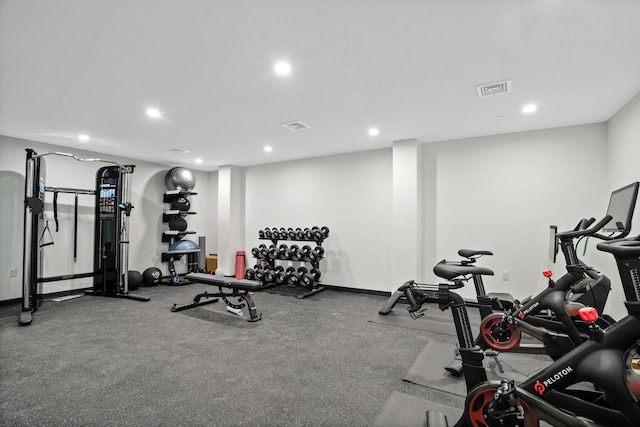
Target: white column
(407, 253)
(230, 217)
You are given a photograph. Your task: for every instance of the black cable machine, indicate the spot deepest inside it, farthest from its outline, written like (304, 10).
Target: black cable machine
(111, 240)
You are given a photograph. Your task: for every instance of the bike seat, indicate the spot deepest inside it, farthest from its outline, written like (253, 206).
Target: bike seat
(451, 271)
(469, 253)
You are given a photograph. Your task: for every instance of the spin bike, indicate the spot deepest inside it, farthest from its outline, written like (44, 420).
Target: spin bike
(552, 312)
(597, 384)
(552, 316)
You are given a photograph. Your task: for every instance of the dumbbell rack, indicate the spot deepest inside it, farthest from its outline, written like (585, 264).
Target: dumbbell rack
(311, 284)
(171, 236)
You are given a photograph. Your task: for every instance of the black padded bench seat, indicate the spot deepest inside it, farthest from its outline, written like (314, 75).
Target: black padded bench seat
(226, 282)
(236, 288)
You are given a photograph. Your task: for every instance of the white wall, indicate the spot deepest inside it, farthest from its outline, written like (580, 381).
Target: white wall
(145, 221)
(351, 194)
(501, 193)
(497, 192)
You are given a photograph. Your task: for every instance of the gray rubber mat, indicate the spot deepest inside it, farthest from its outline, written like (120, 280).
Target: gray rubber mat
(404, 410)
(434, 320)
(428, 369)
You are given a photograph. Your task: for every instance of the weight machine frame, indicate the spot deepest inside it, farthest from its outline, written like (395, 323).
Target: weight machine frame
(35, 189)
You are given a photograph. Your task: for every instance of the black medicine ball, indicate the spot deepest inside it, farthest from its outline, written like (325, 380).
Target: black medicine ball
(135, 279)
(178, 224)
(151, 276)
(180, 204)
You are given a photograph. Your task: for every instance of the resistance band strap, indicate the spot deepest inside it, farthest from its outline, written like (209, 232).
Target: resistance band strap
(55, 208)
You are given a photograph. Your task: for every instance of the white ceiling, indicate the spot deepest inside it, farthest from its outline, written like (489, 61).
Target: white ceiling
(408, 67)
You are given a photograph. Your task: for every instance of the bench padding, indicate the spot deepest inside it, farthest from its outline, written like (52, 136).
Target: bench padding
(225, 282)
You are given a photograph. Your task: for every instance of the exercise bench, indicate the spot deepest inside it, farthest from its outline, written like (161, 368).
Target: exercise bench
(238, 288)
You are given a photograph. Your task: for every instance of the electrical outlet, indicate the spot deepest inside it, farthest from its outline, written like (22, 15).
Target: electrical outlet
(13, 272)
(505, 276)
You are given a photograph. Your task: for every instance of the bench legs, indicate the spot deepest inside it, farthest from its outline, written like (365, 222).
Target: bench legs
(209, 298)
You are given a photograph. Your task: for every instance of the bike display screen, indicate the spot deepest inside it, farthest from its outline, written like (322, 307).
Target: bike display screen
(621, 207)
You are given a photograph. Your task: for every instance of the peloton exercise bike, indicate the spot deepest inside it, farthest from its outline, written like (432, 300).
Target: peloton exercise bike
(596, 385)
(111, 241)
(562, 329)
(551, 317)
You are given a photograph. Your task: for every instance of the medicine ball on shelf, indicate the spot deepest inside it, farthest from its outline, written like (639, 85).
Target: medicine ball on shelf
(180, 204)
(151, 276)
(179, 178)
(178, 224)
(135, 279)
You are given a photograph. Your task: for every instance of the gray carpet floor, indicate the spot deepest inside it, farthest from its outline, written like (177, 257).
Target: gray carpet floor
(95, 361)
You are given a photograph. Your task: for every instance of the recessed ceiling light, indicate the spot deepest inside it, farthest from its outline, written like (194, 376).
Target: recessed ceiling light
(152, 112)
(268, 149)
(198, 160)
(83, 137)
(529, 108)
(374, 131)
(282, 68)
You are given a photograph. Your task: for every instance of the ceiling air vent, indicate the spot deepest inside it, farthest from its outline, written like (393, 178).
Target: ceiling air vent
(496, 88)
(178, 150)
(295, 126)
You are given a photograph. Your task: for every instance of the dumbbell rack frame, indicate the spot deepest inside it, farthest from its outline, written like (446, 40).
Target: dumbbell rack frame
(171, 236)
(313, 288)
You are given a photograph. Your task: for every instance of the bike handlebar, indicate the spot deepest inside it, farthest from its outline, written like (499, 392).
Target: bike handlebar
(581, 229)
(627, 247)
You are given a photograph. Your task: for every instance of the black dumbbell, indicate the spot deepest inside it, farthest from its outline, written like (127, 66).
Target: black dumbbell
(308, 234)
(283, 233)
(293, 278)
(273, 252)
(325, 231)
(303, 270)
(282, 249)
(250, 274)
(311, 278)
(299, 233)
(296, 253)
(264, 251)
(259, 274)
(291, 233)
(267, 233)
(316, 253)
(305, 251)
(318, 236)
(281, 275)
(275, 234)
(255, 252)
(270, 276)
(261, 234)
